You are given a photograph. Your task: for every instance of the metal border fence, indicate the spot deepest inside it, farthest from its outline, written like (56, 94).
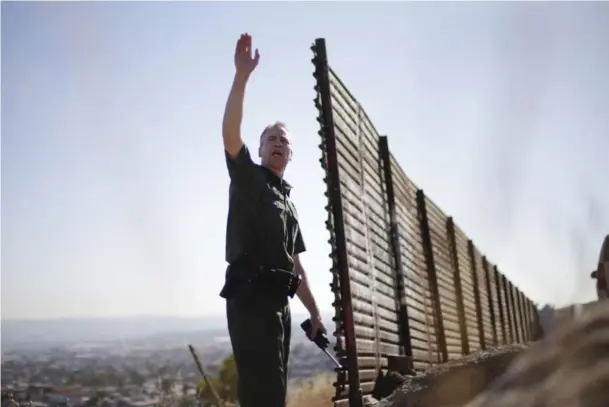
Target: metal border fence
(411, 289)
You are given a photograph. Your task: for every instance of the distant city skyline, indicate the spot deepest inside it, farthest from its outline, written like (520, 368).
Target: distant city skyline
(114, 186)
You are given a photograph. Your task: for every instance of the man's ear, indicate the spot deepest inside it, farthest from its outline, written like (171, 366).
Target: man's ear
(260, 151)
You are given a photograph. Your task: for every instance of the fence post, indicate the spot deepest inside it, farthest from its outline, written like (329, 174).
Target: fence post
(529, 321)
(477, 299)
(491, 305)
(431, 273)
(404, 322)
(322, 75)
(539, 330)
(508, 308)
(450, 230)
(523, 328)
(517, 332)
(510, 292)
(500, 303)
(529, 317)
(525, 322)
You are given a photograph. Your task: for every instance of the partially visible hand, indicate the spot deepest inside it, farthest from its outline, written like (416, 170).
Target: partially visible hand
(316, 325)
(245, 63)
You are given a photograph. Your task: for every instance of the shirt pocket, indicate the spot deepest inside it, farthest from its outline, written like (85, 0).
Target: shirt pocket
(272, 214)
(272, 200)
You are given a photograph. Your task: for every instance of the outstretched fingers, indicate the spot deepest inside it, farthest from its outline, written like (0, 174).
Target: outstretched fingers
(248, 45)
(244, 48)
(242, 44)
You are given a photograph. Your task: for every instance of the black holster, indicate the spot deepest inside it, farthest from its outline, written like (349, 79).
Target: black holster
(275, 282)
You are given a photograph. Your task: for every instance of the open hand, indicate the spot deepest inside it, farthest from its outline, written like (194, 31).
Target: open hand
(245, 63)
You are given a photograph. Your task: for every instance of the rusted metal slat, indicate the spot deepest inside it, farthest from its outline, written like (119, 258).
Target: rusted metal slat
(445, 277)
(468, 289)
(508, 307)
(404, 323)
(422, 322)
(431, 272)
(491, 305)
(477, 294)
(450, 230)
(523, 328)
(501, 303)
(515, 318)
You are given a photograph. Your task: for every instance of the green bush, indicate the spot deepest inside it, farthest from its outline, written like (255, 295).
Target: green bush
(225, 384)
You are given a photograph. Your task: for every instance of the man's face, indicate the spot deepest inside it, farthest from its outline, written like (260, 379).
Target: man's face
(275, 149)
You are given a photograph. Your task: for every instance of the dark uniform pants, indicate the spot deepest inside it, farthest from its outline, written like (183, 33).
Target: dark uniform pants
(260, 331)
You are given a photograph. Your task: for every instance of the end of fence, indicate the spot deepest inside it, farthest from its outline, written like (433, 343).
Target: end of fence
(340, 269)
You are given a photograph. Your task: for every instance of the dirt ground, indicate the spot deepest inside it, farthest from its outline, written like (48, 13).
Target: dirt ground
(451, 384)
(567, 368)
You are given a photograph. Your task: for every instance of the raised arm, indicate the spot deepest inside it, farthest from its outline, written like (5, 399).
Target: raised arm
(245, 64)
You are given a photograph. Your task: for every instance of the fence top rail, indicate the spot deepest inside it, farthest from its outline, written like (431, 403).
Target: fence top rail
(334, 75)
(511, 283)
(434, 208)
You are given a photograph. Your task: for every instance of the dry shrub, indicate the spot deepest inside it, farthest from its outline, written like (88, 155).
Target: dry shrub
(317, 391)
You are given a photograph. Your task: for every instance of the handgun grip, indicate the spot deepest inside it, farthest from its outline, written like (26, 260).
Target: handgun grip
(321, 340)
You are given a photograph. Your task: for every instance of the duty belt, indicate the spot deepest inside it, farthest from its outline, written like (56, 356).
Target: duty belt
(273, 281)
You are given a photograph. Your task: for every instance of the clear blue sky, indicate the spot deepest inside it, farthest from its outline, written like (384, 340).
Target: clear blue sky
(114, 195)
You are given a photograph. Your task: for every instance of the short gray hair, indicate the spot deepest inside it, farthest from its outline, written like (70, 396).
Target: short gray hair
(273, 125)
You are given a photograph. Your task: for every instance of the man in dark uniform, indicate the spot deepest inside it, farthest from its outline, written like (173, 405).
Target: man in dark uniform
(263, 241)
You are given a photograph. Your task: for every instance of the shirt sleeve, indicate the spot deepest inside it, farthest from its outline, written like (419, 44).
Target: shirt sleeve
(240, 168)
(299, 244)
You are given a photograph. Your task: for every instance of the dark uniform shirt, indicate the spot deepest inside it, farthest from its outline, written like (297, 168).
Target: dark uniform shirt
(262, 220)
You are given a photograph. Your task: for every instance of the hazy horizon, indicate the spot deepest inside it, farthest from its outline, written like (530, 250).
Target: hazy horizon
(114, 186)
(328, 314)
(24, 334)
